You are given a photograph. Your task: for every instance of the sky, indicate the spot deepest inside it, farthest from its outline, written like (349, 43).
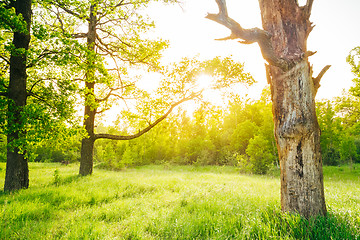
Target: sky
(190, 34)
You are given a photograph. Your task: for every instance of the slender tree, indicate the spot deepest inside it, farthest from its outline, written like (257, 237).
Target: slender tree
(282, 41)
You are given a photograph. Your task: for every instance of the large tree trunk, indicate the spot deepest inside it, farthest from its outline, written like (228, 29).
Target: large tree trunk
(293, 91)
(17, 172)
(282, 40)
(297, 135)
(87, 144)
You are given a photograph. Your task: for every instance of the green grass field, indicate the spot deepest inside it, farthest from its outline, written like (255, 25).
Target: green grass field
(171, 202)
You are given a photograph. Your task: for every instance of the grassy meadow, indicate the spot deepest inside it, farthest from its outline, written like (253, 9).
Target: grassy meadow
(171, 202)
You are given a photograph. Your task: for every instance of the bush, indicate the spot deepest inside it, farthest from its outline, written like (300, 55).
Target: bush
(331, 157)
(244, 163)
(260, 155)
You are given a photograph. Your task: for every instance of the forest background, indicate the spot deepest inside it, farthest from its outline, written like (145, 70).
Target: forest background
(233, 129)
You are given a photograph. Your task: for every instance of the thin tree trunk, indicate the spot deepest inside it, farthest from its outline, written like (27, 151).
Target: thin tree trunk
(87, 144)
(87, 151)
(17, 172)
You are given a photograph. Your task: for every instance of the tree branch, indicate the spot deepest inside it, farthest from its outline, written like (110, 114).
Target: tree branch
(308, 6)
(62, 28)
(249, 36)
(120, 82)
(112, 8)
(40, 99)
(103, 110)
(145, 130)
(30, 92)
(318, 78)
(43, 55)
(5, 59)
(63, 7)
(309, 53)
(79, 35)
(113, 94)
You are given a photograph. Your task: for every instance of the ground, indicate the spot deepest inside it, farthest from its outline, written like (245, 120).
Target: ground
(171, 202)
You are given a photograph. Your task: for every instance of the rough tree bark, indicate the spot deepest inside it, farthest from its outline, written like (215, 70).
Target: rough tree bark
(282, 41)
(17, 171)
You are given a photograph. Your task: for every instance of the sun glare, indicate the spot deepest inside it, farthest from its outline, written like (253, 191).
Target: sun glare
(302, 2)
(203, 82)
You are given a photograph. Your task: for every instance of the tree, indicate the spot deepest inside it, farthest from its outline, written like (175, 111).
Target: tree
(354, 60)
(331, 129)
(112, 34)
(179, 85)
(114, 30)
(242, 134)
(17, 172)
(282, 41)
(111, 45)
(348, 149)
(28, 58)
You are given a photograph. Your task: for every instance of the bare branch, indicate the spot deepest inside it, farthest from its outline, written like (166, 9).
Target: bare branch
(309, 54)
(145, 130)
(222, 7)
(231, 37)
(249, 36)
(308, 7)
(318, 78)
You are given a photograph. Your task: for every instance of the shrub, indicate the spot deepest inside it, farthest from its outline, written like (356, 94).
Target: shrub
(260, 155)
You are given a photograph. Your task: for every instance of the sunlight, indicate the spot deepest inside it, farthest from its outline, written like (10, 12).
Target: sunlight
(302, 2)
(203, 82)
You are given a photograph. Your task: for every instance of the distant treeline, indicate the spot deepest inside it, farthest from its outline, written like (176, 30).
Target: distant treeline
(239, 134)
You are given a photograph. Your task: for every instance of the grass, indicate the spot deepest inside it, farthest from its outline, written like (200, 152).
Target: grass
(171, 202)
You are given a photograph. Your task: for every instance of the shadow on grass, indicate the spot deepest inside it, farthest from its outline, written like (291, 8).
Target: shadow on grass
(269, 223)
(293, 226)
